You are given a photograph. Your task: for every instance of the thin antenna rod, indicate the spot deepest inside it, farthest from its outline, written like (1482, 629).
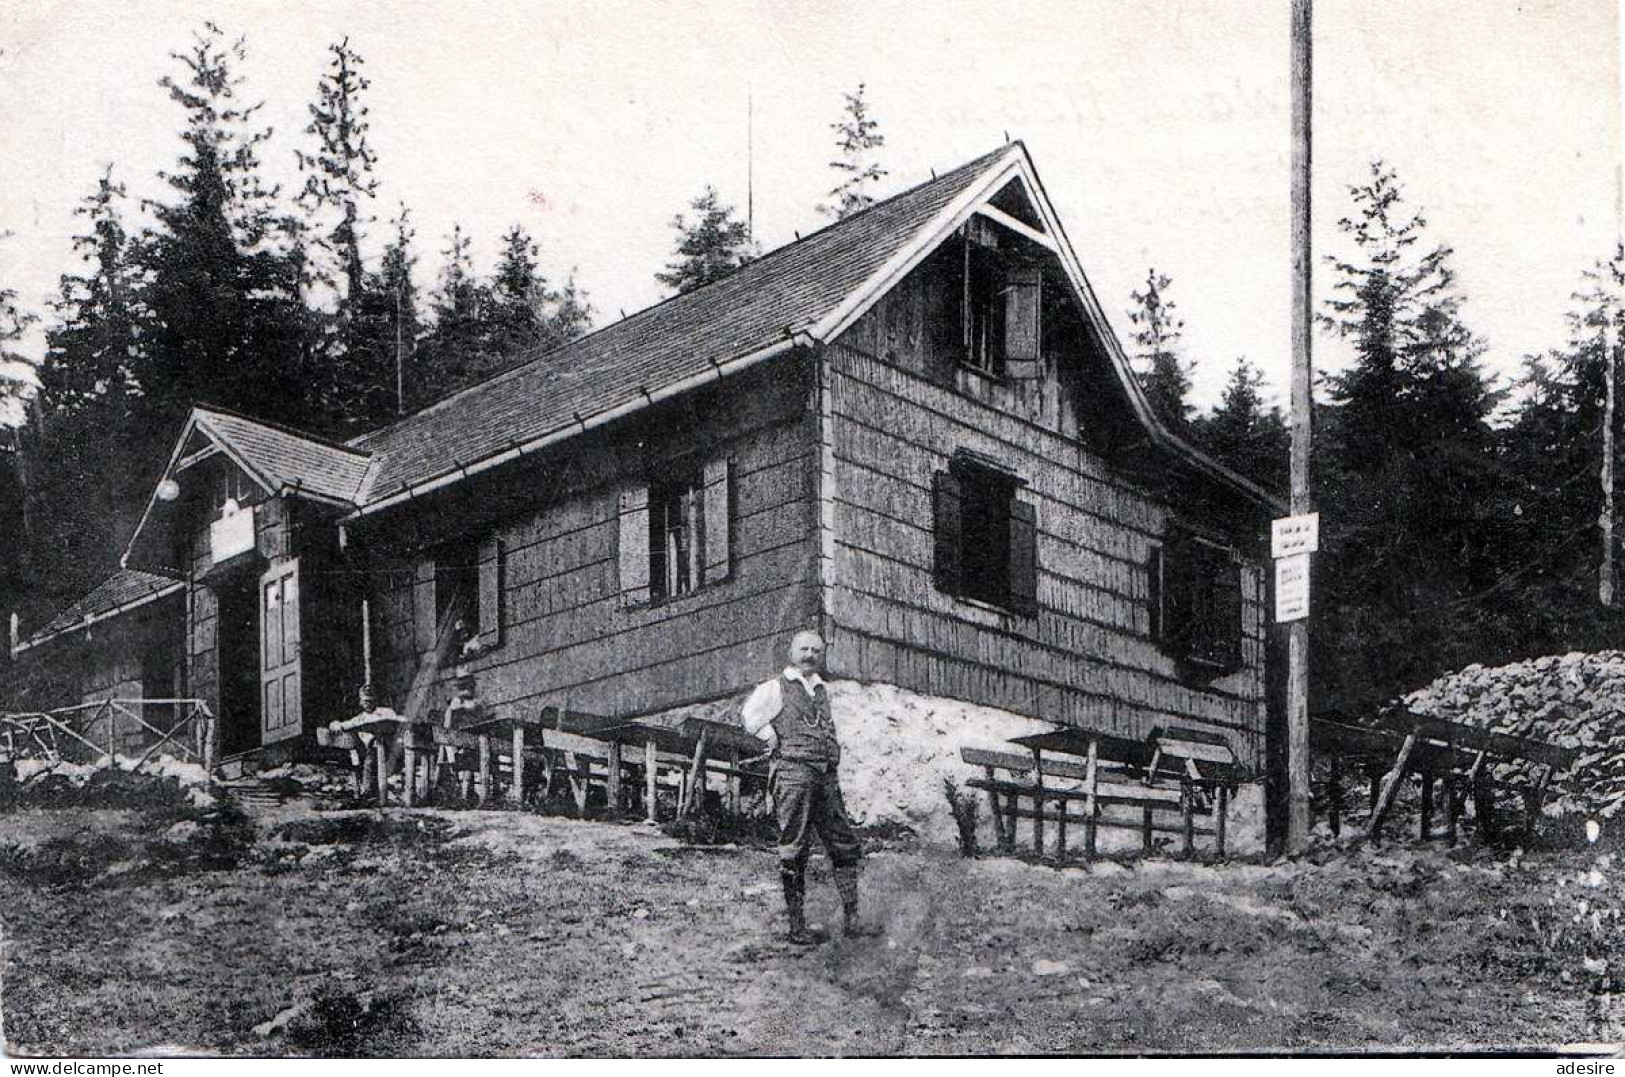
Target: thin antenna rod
(750, 165)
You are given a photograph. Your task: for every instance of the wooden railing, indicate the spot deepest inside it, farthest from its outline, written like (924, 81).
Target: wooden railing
(112, 729)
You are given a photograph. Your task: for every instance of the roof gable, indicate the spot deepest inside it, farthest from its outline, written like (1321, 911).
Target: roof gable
(277, 459)
(807, 292)
(759, 307)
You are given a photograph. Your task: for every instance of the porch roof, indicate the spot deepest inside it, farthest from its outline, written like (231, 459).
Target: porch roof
(124, 590)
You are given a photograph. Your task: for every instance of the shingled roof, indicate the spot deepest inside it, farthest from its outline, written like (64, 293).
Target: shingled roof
(283, 458)
(123, 590)
(758, 306)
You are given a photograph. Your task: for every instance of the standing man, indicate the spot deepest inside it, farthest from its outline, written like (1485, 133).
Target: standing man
(790, 713)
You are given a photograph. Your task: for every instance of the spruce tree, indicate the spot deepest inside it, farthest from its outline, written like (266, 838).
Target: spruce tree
(225, 318)
(709, 246)
(857, 138)
(1164, 374)
(1411, 488)
(457, 350)
(339, 180)
(91, 468)
(385, 333)
(1244, 432)
(1553, 451)
(15, 322)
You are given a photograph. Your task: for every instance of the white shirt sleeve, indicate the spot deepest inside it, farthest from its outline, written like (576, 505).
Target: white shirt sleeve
(760, 709)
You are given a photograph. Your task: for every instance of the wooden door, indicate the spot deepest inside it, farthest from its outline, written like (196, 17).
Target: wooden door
(281, 685)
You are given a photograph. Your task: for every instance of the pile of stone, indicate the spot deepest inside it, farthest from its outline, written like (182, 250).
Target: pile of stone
(1575, 700)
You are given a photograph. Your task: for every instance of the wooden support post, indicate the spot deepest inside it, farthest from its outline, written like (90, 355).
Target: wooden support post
(1221, 818)
(1390, 786)
(695, 788)
(1011, 803)
(578, 772)
(1187, 816)
(1060, 832)
(1483, 800)
(485, 769)
(1425, 825)
(651, 777)
(516, 791)
(1038, 803)
(381, 769)
(998, 811)
(1334, 797)
(1534, 800)
(1484, 808)
(1091, 807)
(733, 781)
(1451, 806)
(612, 777)
(1146, 838)
(409, 776)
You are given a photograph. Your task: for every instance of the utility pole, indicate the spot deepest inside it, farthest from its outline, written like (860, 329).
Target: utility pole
(400, 360)
(1297, 677)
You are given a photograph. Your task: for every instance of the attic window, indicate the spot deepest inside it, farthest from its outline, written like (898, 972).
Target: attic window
(232, 485)
(988, 317)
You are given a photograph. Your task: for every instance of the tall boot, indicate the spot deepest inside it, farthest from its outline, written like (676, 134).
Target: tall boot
(846, 883)
(793, 876)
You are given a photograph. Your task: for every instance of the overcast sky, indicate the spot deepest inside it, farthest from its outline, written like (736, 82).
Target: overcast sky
(1160, 130)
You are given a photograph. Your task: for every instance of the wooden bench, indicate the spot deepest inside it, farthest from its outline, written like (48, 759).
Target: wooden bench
(1103, 781)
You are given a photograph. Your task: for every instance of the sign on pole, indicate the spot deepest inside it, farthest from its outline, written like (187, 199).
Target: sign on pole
(1295, 534)
(1291, 588)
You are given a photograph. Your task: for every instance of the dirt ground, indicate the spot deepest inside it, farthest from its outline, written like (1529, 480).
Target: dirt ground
(494, 933)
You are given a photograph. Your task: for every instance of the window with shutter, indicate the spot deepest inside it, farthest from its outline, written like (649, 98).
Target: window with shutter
(1197, 606)
(633, 546)
(985, 540)
(717, 501)
(675, 535)
(488, 611)
(1023, 297)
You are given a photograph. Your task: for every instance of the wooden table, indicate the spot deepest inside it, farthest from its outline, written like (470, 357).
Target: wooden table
(1458, 756)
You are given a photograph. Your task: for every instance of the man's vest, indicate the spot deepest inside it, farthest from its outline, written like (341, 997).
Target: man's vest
(804, 727)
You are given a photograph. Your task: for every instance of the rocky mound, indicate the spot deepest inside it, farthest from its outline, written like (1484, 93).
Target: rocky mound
(1576, 700)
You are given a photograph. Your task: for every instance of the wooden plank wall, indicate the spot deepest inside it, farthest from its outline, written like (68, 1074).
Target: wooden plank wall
(272, 539)
(566, 636)
(1087, 659)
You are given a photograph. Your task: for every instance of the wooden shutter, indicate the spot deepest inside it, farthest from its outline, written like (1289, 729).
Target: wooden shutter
(1226, 583)
(1180, 575)
(490, 596)
(946, 516)
(1022, 325)
(634, 546)
(423, 607)
(1024, 558)
(717, 502)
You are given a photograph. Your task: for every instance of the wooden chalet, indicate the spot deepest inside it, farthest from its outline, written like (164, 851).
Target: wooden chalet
(913, 428)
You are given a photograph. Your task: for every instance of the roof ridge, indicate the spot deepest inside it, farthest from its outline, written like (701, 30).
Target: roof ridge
(649, 310)
(284, 428)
